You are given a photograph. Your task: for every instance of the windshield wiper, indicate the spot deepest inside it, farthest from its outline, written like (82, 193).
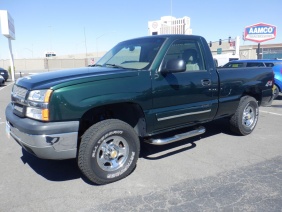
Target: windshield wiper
(114, 65)
(96, 65)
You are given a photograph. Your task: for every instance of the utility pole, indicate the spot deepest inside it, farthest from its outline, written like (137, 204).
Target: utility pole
(8, 30)
(85, 44)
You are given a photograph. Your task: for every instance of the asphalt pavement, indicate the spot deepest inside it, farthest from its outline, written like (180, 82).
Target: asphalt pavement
(217, 171)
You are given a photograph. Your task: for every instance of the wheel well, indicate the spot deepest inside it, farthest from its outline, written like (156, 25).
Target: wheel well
(254, 92)
(130, 113)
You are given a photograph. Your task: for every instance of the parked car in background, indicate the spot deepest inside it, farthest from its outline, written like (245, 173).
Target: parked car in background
(252, 63)
(274, 63)
(278, 80)
(2, 80)
(4, 73)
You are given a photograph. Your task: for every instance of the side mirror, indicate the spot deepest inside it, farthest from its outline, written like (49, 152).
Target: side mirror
(174, 66)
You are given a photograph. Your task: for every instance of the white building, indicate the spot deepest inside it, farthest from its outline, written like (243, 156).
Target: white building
(170, 25)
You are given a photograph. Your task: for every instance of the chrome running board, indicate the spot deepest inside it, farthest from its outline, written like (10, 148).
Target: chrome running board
(200, 130)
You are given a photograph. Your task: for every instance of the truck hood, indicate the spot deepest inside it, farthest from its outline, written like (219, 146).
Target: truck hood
(57, 79)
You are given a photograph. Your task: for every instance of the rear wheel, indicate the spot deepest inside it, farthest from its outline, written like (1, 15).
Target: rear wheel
(245, 119)
(108, 151)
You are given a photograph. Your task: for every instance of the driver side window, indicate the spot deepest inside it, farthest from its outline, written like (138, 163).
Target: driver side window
(189, 51)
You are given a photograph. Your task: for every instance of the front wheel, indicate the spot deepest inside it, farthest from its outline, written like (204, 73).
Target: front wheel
(243, 122)
(109, 151)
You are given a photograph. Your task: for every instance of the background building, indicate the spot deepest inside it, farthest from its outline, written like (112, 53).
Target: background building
(267, 51)
(230, 49)
(223, 50)
(170, 25)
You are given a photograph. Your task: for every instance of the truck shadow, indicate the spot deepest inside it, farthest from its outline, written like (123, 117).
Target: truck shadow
(153, 152)
(64, 170)
(53, 170)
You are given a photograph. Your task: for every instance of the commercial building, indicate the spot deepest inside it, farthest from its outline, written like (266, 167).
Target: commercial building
(227, 51)
(267, 51)
(170, 25)
(223, 50)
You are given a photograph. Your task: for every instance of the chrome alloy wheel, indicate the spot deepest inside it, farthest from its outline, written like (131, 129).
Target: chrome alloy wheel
(248, 116)
(112, 153)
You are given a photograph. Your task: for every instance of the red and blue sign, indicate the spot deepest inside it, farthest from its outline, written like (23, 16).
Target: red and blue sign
(260, 32)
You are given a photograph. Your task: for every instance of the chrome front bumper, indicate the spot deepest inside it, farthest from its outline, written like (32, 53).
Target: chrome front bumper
(54, 140)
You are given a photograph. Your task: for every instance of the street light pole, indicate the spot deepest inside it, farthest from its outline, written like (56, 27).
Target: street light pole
(85, 44)
(30, 51)
(50, 27)
(97, 41)
(170, 16)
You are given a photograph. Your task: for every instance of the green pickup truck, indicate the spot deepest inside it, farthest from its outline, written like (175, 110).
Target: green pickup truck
(139, 90)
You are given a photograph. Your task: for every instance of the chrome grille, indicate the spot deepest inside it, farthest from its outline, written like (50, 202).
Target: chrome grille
(19, 91)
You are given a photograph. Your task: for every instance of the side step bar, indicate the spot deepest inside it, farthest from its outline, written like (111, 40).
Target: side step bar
(200, 130)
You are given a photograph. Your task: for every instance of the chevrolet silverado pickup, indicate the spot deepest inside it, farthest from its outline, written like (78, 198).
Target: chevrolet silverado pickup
(139, 90)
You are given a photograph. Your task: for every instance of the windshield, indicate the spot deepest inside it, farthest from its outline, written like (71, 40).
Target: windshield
(132, 54)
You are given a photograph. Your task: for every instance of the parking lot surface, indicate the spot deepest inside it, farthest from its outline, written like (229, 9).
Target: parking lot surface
(216, 171)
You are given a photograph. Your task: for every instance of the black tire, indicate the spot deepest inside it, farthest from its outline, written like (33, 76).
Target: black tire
(109, 151)
(243, 122)
(275, 91)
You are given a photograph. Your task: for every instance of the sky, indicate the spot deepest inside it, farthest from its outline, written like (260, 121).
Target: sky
(77, 27)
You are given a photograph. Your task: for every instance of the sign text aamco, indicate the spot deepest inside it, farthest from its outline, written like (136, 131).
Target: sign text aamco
(260, 32)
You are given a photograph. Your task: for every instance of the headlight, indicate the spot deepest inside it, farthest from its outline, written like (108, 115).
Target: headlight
(40, 95)
(37, 102)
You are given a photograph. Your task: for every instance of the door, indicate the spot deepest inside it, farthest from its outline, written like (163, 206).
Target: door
(188, 97)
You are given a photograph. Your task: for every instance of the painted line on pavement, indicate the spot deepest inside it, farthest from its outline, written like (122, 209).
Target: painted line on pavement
(1, 122)
(6, 86)
(277, 114)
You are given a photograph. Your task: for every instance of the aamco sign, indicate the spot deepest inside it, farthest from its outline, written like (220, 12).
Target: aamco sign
(260, 32)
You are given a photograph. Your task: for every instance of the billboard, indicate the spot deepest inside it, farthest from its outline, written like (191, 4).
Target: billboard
(7, 24)
(260, 32)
